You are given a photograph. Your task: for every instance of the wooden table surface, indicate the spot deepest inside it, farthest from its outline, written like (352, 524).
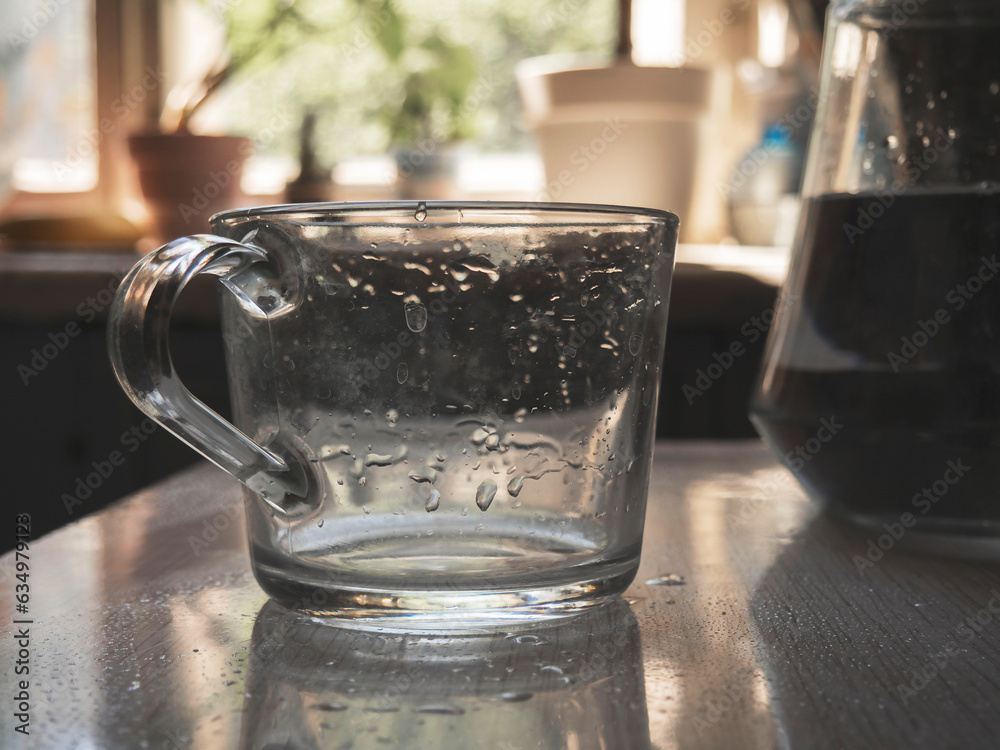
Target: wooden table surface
(141, 638)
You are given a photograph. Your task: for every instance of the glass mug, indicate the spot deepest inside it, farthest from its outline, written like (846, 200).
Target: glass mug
(441, 410)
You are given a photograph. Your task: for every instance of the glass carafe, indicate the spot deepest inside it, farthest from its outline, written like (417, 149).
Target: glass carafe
(880, 387)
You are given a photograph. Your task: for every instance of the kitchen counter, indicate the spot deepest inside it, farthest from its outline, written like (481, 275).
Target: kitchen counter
(148, 631)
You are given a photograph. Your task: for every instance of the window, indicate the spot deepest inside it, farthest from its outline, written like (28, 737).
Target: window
(71, 69)
(49, 143)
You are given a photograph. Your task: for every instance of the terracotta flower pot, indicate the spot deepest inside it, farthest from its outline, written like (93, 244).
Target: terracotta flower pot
(185, 178)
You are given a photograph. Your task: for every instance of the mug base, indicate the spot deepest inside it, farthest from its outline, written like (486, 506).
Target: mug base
(467, 611)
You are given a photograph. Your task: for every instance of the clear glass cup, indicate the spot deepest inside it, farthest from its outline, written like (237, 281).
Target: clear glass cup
(880, 385)
(439, 408)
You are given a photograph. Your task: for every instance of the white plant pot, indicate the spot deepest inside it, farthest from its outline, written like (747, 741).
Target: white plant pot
(619, 134)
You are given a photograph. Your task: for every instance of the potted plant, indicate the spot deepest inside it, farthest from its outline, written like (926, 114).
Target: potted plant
(186, 177)
(426, 128)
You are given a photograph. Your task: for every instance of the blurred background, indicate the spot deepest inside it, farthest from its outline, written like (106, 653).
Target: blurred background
(125, 123)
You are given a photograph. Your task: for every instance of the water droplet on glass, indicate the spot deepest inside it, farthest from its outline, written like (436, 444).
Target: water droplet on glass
(515, 697)
(443, 708)
(423, 474)
(514, 486)
(392, 416)
(482, 265)
(416, 314)
(366, 509)
(671, 579)
(421, 213)
(378, 459)
(433, 501)
(634, 344)
(402, 373)
(485, 494)
(520, 414)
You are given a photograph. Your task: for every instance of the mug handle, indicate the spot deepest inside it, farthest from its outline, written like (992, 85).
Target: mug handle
(138, 329)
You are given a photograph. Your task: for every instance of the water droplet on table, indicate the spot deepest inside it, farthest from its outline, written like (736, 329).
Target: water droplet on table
(670, 579)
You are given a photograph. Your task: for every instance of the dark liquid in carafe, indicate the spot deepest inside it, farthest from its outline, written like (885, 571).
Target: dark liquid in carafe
(893, 338)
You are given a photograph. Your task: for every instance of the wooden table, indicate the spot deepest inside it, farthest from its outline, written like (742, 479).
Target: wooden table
(141, 639)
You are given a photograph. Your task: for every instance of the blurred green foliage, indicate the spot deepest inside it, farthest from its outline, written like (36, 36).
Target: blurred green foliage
(385, 73)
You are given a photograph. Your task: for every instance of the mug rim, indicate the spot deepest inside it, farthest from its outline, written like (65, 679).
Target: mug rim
(410, 207)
